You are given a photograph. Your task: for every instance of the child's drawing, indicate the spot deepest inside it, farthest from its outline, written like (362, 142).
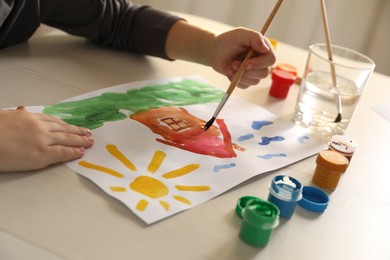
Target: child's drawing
(185, 131)
(152, 153)
(150, 187)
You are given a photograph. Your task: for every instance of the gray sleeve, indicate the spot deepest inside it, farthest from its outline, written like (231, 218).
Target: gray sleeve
(114, 23)
(109, 23)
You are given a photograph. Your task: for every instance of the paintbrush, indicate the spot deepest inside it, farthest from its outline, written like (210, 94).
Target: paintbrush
(241, 70)
(330, 58)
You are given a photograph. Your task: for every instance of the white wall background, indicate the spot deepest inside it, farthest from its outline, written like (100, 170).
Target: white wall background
(362, 25)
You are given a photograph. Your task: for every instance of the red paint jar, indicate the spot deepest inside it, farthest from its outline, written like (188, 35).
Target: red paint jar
(281, 83)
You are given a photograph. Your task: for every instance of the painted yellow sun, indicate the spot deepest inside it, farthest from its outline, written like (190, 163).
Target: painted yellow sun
(146, 185)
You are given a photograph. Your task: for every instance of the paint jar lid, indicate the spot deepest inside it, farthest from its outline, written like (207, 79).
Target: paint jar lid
(287, 67)
(314, 199)
(283, 77)
(332, 161)
(342, 144)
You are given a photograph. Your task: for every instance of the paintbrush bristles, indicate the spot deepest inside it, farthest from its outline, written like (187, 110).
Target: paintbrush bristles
(209, 123)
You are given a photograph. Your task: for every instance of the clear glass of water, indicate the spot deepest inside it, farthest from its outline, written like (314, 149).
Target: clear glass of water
(317, 105)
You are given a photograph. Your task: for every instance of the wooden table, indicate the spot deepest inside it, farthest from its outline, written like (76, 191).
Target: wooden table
(57, 214)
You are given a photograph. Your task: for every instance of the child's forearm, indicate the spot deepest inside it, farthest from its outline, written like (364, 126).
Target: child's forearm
(190, 43)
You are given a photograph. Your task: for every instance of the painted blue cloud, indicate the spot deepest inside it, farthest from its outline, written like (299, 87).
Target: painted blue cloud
(267, 140)
(303, 138)
(272, 155)
(257, 125)
(218, 168)
(245, 137)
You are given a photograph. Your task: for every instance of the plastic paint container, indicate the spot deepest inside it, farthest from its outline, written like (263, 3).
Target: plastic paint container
(241, 203)
(281, 83)
(344, 145)
(330, 166)
(314, 199)
(259, 218)
(285, 192)
(274, 43)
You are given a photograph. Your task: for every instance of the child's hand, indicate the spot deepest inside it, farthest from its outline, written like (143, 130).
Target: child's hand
(31, 141)
(230, 48)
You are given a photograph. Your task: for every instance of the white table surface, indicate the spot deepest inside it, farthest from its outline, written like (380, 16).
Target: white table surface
(57, 214)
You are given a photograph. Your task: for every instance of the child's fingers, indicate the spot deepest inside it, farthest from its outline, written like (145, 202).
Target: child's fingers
(59, 153)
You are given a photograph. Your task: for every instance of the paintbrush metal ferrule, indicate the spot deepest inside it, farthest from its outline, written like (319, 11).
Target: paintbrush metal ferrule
(221, 104)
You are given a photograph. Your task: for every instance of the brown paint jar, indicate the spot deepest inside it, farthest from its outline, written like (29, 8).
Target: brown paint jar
(330, 166)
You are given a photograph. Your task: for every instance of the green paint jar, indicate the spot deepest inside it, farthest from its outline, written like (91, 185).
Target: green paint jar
(259, 218)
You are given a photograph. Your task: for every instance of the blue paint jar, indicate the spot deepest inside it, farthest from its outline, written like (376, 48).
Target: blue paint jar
(285, 192)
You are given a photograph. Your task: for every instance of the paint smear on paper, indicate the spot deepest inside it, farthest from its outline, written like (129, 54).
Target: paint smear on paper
(218, 168)
(272, 155)
(245, 137)
(192, 188)
(181, 171)
(267, 140)
(156, 161)
(113, 150)
(303, 139)
(141, 205)
(101, 169)
(182, 199)
(257, 125)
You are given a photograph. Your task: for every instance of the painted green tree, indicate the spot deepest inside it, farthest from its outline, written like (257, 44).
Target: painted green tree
(93, 112)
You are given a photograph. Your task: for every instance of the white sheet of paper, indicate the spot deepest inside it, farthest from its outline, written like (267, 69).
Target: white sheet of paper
(163, 180)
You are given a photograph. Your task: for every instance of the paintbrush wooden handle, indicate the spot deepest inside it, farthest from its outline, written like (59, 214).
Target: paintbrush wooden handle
(328, 43)
(330, 58)
(237, 77)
